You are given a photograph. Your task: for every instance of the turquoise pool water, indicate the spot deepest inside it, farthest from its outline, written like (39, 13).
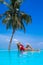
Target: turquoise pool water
(17, 58)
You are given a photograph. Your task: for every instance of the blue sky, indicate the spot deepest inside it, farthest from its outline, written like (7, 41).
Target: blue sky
(34, 31)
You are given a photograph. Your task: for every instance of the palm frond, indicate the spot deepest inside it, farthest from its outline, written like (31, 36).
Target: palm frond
(20, 23)
(9, 24)
(13, 2)
(26, 17)
(23, 27)
(16, 3)
(7, 13)
(3, 2)
(5, 20)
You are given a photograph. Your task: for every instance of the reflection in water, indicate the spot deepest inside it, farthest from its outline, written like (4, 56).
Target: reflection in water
(10, 59)
(19, 58)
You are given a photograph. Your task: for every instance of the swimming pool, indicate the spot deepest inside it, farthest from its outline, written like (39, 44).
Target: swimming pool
(17, 58)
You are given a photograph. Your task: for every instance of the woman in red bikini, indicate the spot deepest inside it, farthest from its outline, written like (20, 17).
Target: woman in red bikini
(22, 48)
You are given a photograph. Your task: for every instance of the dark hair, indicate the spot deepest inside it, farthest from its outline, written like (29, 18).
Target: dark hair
(27, 46)
(18, 46)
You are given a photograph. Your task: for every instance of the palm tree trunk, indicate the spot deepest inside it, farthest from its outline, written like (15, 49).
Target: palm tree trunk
(10, 41)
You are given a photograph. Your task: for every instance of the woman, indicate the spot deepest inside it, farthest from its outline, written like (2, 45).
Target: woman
(22, 48)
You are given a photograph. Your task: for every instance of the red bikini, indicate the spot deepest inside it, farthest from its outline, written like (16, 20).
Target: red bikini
(22, 47)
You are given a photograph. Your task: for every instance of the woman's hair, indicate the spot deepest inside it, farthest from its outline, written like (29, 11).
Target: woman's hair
(27, 46)
(18, 46)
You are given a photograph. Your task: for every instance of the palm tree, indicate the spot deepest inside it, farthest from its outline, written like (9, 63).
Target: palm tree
(13, 17)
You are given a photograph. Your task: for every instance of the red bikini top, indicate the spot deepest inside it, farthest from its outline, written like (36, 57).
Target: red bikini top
(22, 47)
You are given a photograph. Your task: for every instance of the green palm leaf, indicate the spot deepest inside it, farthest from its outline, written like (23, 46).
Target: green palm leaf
(26, 17)
(1, 1)
(5, 20)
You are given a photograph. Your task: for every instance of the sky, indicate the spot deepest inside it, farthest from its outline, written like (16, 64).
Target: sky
(34, 31)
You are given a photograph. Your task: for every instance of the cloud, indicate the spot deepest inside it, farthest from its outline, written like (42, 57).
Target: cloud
(4, 42)
(34, 42)
(40, 44)
(6, 38)
(15, 40)
(3, 37)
